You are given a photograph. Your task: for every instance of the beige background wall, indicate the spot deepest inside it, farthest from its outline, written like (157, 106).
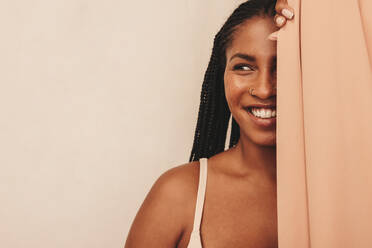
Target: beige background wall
(97, 99)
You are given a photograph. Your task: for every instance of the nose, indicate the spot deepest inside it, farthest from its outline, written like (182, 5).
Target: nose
(265, 86)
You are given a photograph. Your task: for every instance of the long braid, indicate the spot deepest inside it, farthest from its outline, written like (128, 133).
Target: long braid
(214, 113)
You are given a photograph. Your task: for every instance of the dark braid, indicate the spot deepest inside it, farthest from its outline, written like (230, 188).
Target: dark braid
(214, 113)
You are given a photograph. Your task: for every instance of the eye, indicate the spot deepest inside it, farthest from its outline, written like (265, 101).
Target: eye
(242, 67)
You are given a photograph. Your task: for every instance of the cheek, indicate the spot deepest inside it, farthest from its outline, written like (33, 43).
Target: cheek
(234, 89)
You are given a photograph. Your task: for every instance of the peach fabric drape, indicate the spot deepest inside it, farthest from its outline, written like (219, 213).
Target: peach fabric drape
(324, 128)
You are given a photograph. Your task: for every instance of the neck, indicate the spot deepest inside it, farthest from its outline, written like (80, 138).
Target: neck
(256, 159)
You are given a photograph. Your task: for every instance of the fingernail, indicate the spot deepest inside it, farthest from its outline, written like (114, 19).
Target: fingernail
(287, 13)
(273, 36)
(280, 20)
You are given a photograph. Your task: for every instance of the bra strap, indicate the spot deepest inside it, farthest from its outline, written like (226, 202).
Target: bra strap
(201, 193)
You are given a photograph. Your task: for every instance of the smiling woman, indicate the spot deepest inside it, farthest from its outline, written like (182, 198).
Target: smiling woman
(242, 41)
(224, 198)
(251, 68)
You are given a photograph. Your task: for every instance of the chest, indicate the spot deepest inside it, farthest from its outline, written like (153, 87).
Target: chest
(239, 216)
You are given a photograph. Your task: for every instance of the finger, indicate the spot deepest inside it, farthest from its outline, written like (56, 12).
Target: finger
(273, 36)
(280, 20)
(284, 9)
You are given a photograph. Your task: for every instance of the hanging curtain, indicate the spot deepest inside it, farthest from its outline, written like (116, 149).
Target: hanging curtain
(324, 127)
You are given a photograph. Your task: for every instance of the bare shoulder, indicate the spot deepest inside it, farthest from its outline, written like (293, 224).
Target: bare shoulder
(176, 186)
(167, 210)
(179, 179)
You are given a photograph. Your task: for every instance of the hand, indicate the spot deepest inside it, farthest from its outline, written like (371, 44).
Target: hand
(283, 13)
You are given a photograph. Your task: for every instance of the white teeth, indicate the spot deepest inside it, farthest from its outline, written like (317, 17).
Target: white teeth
(264, 112)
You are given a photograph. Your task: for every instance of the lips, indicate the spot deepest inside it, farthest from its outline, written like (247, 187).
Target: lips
(257, 105)
(261, 122)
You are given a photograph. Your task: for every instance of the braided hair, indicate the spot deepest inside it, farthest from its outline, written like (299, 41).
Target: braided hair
(214, 113)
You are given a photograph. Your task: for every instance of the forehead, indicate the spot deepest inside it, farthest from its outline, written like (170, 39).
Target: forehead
(250, 37)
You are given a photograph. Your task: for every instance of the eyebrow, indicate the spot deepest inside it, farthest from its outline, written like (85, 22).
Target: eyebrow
(244, 56)
(248, 57)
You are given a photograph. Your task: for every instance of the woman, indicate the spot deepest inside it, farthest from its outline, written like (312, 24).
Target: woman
(230, 196)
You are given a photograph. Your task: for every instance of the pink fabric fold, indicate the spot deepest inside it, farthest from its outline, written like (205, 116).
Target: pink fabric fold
(324, 127)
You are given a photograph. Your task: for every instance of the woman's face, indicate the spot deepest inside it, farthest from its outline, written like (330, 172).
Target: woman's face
(251, 63)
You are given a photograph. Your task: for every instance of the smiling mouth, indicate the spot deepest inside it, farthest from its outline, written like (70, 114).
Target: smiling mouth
(262, 117)
(262, 112)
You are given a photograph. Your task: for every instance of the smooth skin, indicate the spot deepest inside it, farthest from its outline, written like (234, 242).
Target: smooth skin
(240, 204)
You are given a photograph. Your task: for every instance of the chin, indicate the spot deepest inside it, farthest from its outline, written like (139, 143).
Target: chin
(269, 143)
(264, 139)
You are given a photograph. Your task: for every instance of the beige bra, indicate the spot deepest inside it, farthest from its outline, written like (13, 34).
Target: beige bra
(195, 240)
